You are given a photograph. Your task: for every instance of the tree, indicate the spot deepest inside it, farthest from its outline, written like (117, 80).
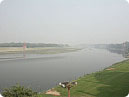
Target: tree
(18, 91)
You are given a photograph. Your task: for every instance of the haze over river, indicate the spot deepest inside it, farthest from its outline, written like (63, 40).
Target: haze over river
(42, 72)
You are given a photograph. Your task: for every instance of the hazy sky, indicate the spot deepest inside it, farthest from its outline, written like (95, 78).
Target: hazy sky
(64, 21)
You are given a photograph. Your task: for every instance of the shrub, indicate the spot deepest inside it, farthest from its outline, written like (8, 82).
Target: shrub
(18, 91)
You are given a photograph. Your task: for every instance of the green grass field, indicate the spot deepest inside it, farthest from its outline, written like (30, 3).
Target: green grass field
(111, 82)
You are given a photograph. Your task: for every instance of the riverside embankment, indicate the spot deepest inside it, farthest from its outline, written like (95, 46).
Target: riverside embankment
(110, 82)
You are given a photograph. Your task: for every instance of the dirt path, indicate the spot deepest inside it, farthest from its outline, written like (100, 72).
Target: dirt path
(53, 92)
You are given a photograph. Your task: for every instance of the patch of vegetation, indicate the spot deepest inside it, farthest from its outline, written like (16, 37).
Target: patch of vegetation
(32, 45)
(18, 91)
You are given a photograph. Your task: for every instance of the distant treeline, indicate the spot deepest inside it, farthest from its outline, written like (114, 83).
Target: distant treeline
(122, 48)
(32, 45)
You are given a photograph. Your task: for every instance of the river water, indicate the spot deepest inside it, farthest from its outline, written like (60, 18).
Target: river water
(42, 72)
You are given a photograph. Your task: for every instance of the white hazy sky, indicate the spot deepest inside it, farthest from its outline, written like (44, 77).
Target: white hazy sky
(64, 21)
(127, 1)
(1, 1)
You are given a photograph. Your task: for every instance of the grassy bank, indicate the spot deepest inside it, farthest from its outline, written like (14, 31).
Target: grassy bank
(111, 82)
(45, 50)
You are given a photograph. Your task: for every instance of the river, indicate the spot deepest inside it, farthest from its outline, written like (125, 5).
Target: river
(42, 72)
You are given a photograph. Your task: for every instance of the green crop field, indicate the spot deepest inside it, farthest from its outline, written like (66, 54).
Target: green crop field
(111, 82)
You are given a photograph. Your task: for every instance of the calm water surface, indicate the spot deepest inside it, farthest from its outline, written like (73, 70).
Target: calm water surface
(42, 72)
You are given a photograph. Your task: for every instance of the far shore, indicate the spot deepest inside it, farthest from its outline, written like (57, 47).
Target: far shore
(42, 50)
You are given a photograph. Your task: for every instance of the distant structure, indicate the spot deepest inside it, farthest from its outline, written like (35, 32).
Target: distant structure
(24, 50)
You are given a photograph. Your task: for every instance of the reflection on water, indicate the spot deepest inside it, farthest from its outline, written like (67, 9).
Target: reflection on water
(124, 53)
(8, 57)
(42, 72)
